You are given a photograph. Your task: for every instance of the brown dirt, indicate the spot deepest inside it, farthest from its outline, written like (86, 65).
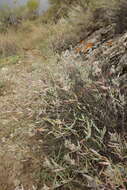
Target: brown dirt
(20, 155)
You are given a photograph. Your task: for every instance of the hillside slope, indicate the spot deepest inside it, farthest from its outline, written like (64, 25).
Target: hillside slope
(87, 89)
(63, 119)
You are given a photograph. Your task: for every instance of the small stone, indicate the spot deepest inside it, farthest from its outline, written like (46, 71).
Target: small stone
(17, 182)
(3, 139)
(4, 70)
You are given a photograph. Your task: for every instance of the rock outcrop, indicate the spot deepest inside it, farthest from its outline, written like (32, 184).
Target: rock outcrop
(101, 58)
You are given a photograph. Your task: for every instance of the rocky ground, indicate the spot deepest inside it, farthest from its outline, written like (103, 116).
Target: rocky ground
(105, 54)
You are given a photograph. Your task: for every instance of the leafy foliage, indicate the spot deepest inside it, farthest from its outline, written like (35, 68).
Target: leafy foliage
(33, 5)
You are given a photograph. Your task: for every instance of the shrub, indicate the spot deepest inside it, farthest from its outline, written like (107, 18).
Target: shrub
(32, 6)
(81, 118)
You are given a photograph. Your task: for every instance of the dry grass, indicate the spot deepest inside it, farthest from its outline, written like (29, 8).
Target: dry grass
(64, 125)
(81, 21)
(84, 142)
(9, 44)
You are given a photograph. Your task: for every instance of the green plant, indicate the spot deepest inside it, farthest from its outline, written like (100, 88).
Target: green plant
(32, 6)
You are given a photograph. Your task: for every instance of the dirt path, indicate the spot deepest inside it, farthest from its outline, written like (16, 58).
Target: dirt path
(20, 154)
